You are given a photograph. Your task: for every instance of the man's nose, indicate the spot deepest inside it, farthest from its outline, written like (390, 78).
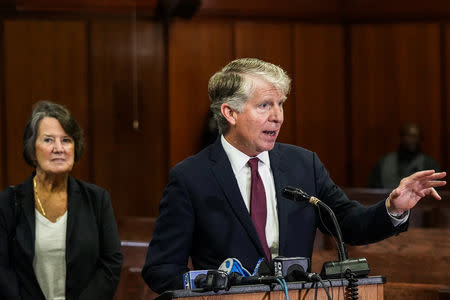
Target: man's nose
(276, 114)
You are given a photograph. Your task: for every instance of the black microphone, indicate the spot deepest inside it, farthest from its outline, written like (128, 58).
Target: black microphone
(331, 269)
(264, 268)
(200, 281)
(297, 273)
(293, 269)
(212, 280)
(238, 279)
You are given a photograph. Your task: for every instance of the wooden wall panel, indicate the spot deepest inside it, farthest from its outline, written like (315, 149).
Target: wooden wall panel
(85, 5)
(446, 94)
(276, 47)
(322, 10)
(196, 51)
(44, 60)
(320, 116)
(267, 8)
(397, 10)
(2, 112)
(395, 79)
(128, 85)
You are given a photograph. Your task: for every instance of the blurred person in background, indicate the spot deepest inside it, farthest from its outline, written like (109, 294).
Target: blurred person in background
(408, 159)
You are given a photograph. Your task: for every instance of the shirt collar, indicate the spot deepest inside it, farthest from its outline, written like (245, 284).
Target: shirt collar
(239, 159)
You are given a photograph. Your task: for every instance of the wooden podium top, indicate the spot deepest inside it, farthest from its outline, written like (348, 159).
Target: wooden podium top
(259, 291)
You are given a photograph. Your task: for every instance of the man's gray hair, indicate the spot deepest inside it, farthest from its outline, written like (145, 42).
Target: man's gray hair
(231, 85)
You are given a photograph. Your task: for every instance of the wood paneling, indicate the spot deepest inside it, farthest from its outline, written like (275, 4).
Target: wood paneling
(267, 8)
(415, 291)
(339, 10)
(321, 10)
(399, 9)
(86, 5)
(128, 85)
(446, 93)
(44, 60)
(413, 251)
(196, 51)
(276, 47)
(395, 78)
(320, 119)
(2, 113)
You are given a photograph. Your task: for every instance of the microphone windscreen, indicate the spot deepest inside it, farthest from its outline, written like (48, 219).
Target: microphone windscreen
(263, 268)
(233, 265)
(295, 272)
(194, 279)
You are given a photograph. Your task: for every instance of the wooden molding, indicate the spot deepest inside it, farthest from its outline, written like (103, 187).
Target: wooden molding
(318, 10)
(143, 6)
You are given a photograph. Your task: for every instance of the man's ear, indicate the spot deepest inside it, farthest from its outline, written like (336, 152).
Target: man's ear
(229, 113)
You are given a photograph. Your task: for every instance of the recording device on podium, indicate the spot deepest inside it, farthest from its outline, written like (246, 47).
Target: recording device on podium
(332, 269)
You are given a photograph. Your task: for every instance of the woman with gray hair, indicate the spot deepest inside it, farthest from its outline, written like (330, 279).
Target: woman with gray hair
(58, 234)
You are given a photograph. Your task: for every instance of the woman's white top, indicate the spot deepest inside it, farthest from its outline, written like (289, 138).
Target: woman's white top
(49, 261)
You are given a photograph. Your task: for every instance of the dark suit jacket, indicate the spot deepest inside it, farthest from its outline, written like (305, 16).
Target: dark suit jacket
(203, 215)
(93, 258)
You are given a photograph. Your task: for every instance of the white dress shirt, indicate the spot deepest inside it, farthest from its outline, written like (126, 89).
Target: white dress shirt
(241, 170)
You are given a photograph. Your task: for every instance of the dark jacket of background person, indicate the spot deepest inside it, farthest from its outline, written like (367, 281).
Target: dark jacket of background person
(391, 168)
(203, 215)
(408, 159)
(93, 258)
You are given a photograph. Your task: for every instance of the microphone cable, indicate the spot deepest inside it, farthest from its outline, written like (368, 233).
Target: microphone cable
(351, 291)
(283, 285)
(330, 232)
(317, 279)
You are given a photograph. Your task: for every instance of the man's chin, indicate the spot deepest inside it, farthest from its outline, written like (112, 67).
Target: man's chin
(268, 146)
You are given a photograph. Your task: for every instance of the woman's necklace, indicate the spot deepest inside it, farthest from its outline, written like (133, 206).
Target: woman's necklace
(37, 197)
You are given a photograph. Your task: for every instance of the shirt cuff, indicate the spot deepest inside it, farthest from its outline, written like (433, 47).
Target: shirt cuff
(398, 219)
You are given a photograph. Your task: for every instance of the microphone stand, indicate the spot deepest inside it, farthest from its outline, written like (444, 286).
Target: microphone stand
(332, 269)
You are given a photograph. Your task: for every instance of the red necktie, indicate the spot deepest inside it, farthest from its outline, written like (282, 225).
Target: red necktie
(258, 209)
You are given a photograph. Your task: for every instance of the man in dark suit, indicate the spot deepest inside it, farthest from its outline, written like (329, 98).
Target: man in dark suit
(226, 201)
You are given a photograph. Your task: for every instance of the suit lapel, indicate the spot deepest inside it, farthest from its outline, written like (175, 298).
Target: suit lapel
(25, 198)
(223, 172)
(73, 206)
(279, 168)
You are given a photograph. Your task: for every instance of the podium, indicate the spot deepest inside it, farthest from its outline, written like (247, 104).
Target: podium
(368, 288)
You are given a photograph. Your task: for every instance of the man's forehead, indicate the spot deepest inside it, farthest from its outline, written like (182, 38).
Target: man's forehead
(262, 85)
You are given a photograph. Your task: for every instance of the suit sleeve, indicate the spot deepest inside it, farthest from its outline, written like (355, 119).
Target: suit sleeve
(106, 277)
(9, 287)
(359, 224)
(169, 250)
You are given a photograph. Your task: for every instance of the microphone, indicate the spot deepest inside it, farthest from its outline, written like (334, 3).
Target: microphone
(293, 268)
(200, 281)
(263, 268)
(238, 275)
(193, 279)
(206, 280)
(331, 269)
(233, 265)
(237, 279)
